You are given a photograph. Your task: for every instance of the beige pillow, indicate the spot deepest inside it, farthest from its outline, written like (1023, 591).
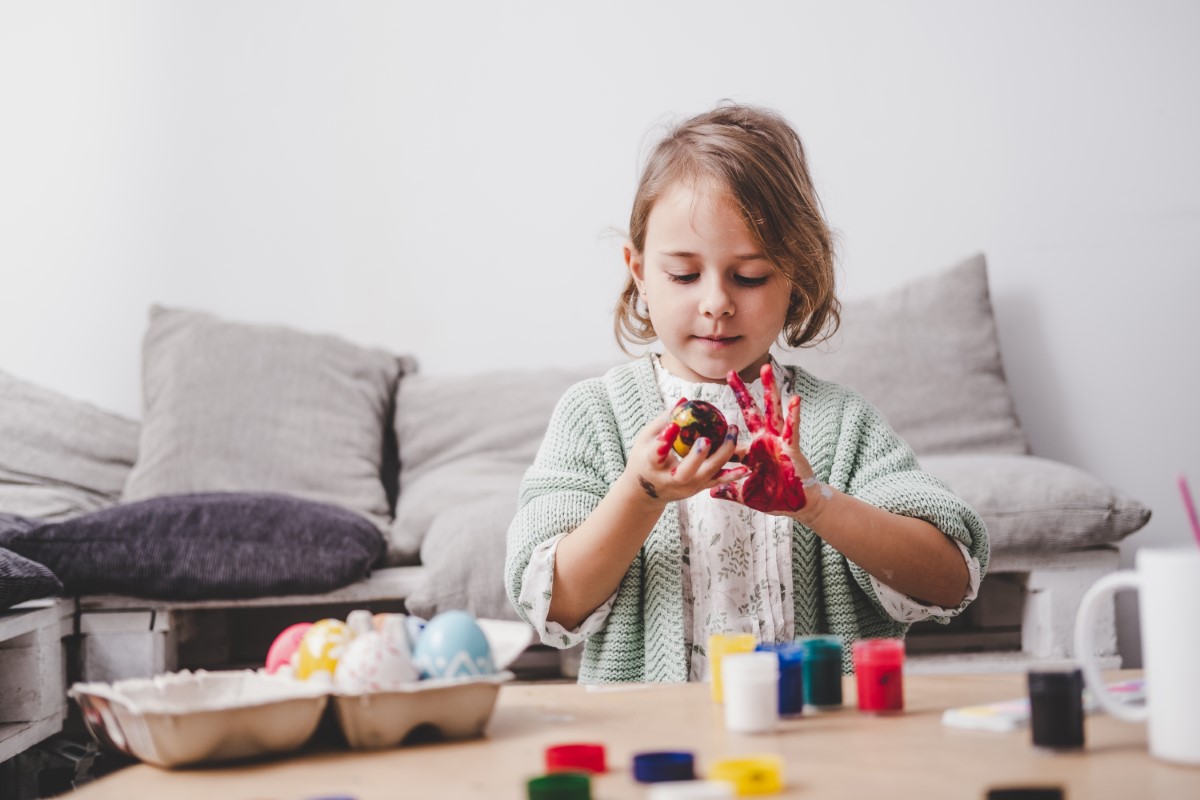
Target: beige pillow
(927, 356)
(60, 457)
(1031, 503)
(230, 406)
(462, 438)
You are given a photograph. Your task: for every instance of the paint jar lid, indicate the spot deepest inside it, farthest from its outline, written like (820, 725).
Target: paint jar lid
(664, 766)
(820, 648)
(1026, 793)
(691, 790)
(1056, 678)
(730, 642)
(761, 774)
(560, 786)
(884, 652)
(578, 757)
(790, 654)
(756, 666)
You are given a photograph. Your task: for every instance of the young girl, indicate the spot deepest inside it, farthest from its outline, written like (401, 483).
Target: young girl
(820, 522)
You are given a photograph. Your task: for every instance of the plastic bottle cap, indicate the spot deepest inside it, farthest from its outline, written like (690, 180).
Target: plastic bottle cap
(789, 653)
(582, 757)
(1026, 793)
(560, 786)
(879, 651)
(820, 647)
(750, 774)
(664, 766)
(691, 790)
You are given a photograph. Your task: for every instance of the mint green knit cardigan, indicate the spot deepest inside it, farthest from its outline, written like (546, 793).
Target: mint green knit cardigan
(850, 446)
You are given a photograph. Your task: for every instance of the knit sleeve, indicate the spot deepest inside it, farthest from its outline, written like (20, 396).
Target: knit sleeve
(569, 477)
(880, 468)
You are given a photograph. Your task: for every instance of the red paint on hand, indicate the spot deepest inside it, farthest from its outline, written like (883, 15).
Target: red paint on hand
(773, 484)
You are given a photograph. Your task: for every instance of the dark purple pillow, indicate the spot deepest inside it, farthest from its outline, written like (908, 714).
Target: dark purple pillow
(206, 546)
(20, 578)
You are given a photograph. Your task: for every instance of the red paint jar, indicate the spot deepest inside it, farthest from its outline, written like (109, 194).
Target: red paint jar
(879, 672)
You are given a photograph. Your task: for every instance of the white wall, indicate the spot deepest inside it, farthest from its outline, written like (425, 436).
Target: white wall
(441, 180)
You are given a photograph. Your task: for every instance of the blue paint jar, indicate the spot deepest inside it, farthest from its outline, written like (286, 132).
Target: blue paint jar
(822, 668)
(791, 677)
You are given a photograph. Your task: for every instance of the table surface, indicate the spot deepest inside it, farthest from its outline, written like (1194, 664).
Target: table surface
(841, 753)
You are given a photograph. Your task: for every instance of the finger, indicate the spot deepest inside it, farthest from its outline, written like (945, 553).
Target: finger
(791, 423)
(665, 439)
(718, 458)
(728, 448)
(771, 399)
(727, 491)
(754, 420)
(730, 475)
(692, 464)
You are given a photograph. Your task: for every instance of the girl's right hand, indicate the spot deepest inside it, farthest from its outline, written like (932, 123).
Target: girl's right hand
(660, 476)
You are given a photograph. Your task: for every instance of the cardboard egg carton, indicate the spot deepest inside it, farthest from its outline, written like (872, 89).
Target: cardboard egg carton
(184, 718)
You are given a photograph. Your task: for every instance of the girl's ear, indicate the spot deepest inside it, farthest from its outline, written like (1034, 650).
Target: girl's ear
(633, 260)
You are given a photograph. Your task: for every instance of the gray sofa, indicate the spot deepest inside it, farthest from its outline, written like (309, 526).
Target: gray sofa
(434, 463)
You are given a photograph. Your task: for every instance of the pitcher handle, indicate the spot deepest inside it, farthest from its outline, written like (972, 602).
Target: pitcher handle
(1085, 626)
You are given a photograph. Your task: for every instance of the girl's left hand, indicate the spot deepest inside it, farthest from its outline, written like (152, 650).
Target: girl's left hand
(775, 484)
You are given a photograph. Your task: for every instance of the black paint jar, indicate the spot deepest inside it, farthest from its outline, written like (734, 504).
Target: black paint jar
(1056, 708)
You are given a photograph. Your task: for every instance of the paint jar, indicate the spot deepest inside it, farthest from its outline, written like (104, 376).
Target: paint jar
(791, 677)
(559, 786)
(1056, 707)
(879, 668)
(719, 646)
(751, 692)
(663, 766)
(822, 669)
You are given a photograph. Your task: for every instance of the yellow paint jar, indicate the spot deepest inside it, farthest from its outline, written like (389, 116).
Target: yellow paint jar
(719, 646)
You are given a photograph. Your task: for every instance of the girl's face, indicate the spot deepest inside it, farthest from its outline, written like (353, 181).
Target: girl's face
(716, 302)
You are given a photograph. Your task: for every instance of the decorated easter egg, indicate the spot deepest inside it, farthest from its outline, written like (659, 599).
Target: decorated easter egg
(697, 418)
(377, 661)
(285, 645)
(453, 646)
(413, 625)
(321, 647)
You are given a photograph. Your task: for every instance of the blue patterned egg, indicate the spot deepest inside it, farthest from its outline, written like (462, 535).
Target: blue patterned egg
(452, 645)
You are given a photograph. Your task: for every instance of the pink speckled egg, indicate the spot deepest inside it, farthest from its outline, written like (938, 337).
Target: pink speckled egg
(377, 661)
(285, 645)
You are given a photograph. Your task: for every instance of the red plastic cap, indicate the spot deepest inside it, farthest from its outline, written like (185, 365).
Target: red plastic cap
(883, 652)
(575, 758)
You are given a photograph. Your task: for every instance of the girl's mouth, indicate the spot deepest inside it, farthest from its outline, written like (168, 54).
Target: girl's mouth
(717, 342)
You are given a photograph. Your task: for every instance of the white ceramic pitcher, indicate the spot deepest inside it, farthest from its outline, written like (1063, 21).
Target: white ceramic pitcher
(1169, 610)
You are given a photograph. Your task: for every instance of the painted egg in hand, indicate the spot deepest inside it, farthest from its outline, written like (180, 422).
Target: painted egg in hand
(697, 418)
(452, 645)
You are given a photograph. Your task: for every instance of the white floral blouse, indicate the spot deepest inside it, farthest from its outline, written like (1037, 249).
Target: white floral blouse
(737, 562)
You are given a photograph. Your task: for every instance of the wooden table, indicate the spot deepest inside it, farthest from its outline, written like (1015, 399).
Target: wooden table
(840, 754)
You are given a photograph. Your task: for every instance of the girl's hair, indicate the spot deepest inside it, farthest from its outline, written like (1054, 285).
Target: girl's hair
(758, 158)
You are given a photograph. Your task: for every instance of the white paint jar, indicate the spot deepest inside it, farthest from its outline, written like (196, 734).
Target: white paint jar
(751, 688)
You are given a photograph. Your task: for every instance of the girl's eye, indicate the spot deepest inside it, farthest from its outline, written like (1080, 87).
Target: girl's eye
(745, 281)
(688, 278)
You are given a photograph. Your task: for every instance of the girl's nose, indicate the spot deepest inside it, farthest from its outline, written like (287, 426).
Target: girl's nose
(716, 301)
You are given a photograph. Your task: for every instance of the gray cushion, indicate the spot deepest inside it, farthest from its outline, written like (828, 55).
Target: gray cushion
(239, 407)
(926, 354)
(60, 457)
(468, 437)
(1031, 503)
(464, 558)
(20, 578)
(205, 546)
